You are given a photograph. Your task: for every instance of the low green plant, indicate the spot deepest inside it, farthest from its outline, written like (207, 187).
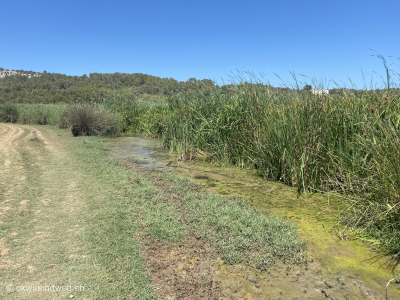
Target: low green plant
(239, 233)
(242, 235)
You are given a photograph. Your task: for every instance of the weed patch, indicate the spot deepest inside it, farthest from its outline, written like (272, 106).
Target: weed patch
(239, 233)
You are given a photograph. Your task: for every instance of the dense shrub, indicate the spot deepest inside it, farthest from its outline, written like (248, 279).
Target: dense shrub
(63, 120)
(90, 120)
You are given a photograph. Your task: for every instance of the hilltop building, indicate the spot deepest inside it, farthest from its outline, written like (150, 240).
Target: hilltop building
(320, 92)
(4, 73)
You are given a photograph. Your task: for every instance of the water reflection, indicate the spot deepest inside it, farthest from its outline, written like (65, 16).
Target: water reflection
(141, 152)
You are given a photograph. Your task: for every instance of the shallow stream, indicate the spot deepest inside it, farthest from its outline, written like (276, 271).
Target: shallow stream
(339, 268)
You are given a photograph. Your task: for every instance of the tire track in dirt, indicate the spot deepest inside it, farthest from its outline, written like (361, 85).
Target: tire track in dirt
(9, 161)
(40, 213)
(9, 135)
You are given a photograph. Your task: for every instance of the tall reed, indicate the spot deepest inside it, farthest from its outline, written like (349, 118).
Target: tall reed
(51, 114)
(344, 143)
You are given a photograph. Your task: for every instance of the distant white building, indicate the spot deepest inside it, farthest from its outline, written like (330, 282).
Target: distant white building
(7, 73)
(13, 73)
(320, 92)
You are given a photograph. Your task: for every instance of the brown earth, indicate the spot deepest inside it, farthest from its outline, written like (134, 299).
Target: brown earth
(191, 270)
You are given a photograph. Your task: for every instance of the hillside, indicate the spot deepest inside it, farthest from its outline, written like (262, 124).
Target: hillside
(55, 88)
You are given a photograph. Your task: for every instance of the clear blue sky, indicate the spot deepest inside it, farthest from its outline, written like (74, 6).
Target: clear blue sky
(203, 39)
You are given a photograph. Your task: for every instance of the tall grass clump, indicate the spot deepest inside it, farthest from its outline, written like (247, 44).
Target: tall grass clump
(90, 120)
(292, 136)
(123, 103)
(8, 113)
(139, 114)
(44, 114)
(373, 191)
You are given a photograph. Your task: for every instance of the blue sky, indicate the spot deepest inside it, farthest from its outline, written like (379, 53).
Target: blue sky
(203, 39)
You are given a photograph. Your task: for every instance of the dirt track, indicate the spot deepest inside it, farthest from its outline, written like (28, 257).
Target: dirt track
(40, 210)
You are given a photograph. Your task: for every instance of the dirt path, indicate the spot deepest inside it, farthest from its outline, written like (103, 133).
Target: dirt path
(40, 213)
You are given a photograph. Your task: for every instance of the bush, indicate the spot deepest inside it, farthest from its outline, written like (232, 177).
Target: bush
(8, 113)
(89, 120)
(62, 121)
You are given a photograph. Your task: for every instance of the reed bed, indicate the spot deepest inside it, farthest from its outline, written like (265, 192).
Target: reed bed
(51, 114)
(345, 143)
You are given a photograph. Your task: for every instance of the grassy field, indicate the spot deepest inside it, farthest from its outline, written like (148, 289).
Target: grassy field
(71, 216)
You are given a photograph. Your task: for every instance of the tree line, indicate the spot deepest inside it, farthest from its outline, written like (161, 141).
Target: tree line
(56, 88)
(60, 88)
